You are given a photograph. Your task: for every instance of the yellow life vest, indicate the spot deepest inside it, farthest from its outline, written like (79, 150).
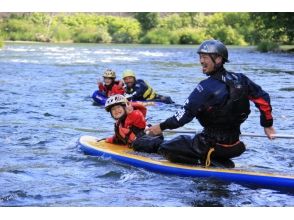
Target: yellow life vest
(149, 93)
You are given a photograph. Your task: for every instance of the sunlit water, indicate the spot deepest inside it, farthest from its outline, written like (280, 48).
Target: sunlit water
(46, 106)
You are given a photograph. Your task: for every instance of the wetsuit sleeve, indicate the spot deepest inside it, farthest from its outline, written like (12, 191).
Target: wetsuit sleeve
(196, 102)
(261, 100)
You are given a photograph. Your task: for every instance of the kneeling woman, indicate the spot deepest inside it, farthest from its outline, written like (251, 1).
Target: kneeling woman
(130, 124)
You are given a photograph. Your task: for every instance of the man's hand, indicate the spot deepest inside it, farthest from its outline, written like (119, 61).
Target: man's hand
(270, 132)
(154, 130)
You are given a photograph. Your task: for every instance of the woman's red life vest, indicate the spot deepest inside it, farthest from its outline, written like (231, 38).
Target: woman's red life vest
(140, 107)
(113, 89)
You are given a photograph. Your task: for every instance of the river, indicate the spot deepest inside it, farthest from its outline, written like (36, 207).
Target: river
(46, 106)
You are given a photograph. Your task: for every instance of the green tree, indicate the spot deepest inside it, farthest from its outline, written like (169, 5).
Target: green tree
(274, 26)
(148, 20)
(191, 19)
(60, 32)
(21, 29)
(124, 29)
(160, 36)
(171, 22)
(1, 39)
(242, 24)
(91, 34)
(191, 35)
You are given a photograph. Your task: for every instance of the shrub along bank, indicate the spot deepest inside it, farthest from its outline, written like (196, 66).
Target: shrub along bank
(151, 28)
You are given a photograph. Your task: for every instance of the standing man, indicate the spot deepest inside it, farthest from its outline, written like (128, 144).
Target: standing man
(221, 105)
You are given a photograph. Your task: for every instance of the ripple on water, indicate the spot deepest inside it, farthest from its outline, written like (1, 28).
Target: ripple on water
(110, 174)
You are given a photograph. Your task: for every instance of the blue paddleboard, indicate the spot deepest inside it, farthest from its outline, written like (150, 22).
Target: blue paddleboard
(92, 146)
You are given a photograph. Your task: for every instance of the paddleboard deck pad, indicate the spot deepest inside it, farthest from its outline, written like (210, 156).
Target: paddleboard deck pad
(95, 147)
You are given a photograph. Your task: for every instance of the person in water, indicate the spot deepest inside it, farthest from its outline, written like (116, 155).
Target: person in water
(140, 90)
(130, 124)
(221, 105)
(110, 86)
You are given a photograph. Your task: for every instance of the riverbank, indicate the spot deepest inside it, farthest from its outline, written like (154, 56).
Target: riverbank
(287, 48)
(282, 48)
(148, 28)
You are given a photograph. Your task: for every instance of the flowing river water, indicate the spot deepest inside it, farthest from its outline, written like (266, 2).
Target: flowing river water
(46, 106)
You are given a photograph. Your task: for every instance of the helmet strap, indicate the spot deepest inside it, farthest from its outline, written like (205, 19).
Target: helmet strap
(216, 66)
(212, 58)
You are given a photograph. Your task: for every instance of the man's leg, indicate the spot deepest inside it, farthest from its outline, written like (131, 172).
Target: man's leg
(181, 150)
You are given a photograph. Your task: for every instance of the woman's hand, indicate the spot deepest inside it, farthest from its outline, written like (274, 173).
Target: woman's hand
(129, 108)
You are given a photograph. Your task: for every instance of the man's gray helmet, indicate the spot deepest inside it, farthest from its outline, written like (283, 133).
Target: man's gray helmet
(214, 47)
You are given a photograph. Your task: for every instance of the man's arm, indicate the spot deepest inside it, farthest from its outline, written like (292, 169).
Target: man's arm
(261, 100)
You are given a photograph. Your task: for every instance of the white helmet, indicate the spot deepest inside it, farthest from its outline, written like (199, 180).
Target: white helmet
(115, 100)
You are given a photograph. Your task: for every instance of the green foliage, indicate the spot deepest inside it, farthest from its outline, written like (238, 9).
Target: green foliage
(148, 20)
(236, 19)
(124, 36)
(266, 46)
(1, 33)
(274, 26)
(102, 35)
(148, 27)
(227, 35)
(216, 19)
(91, 34)
(183, 20)
(82, 19)
(16, 29)
(192, 19)
(242, 23)
(60, 33)
(219, 27)
(39, 18)
(160, 36)
(124, 30)
(191, 35)
(171, 22)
